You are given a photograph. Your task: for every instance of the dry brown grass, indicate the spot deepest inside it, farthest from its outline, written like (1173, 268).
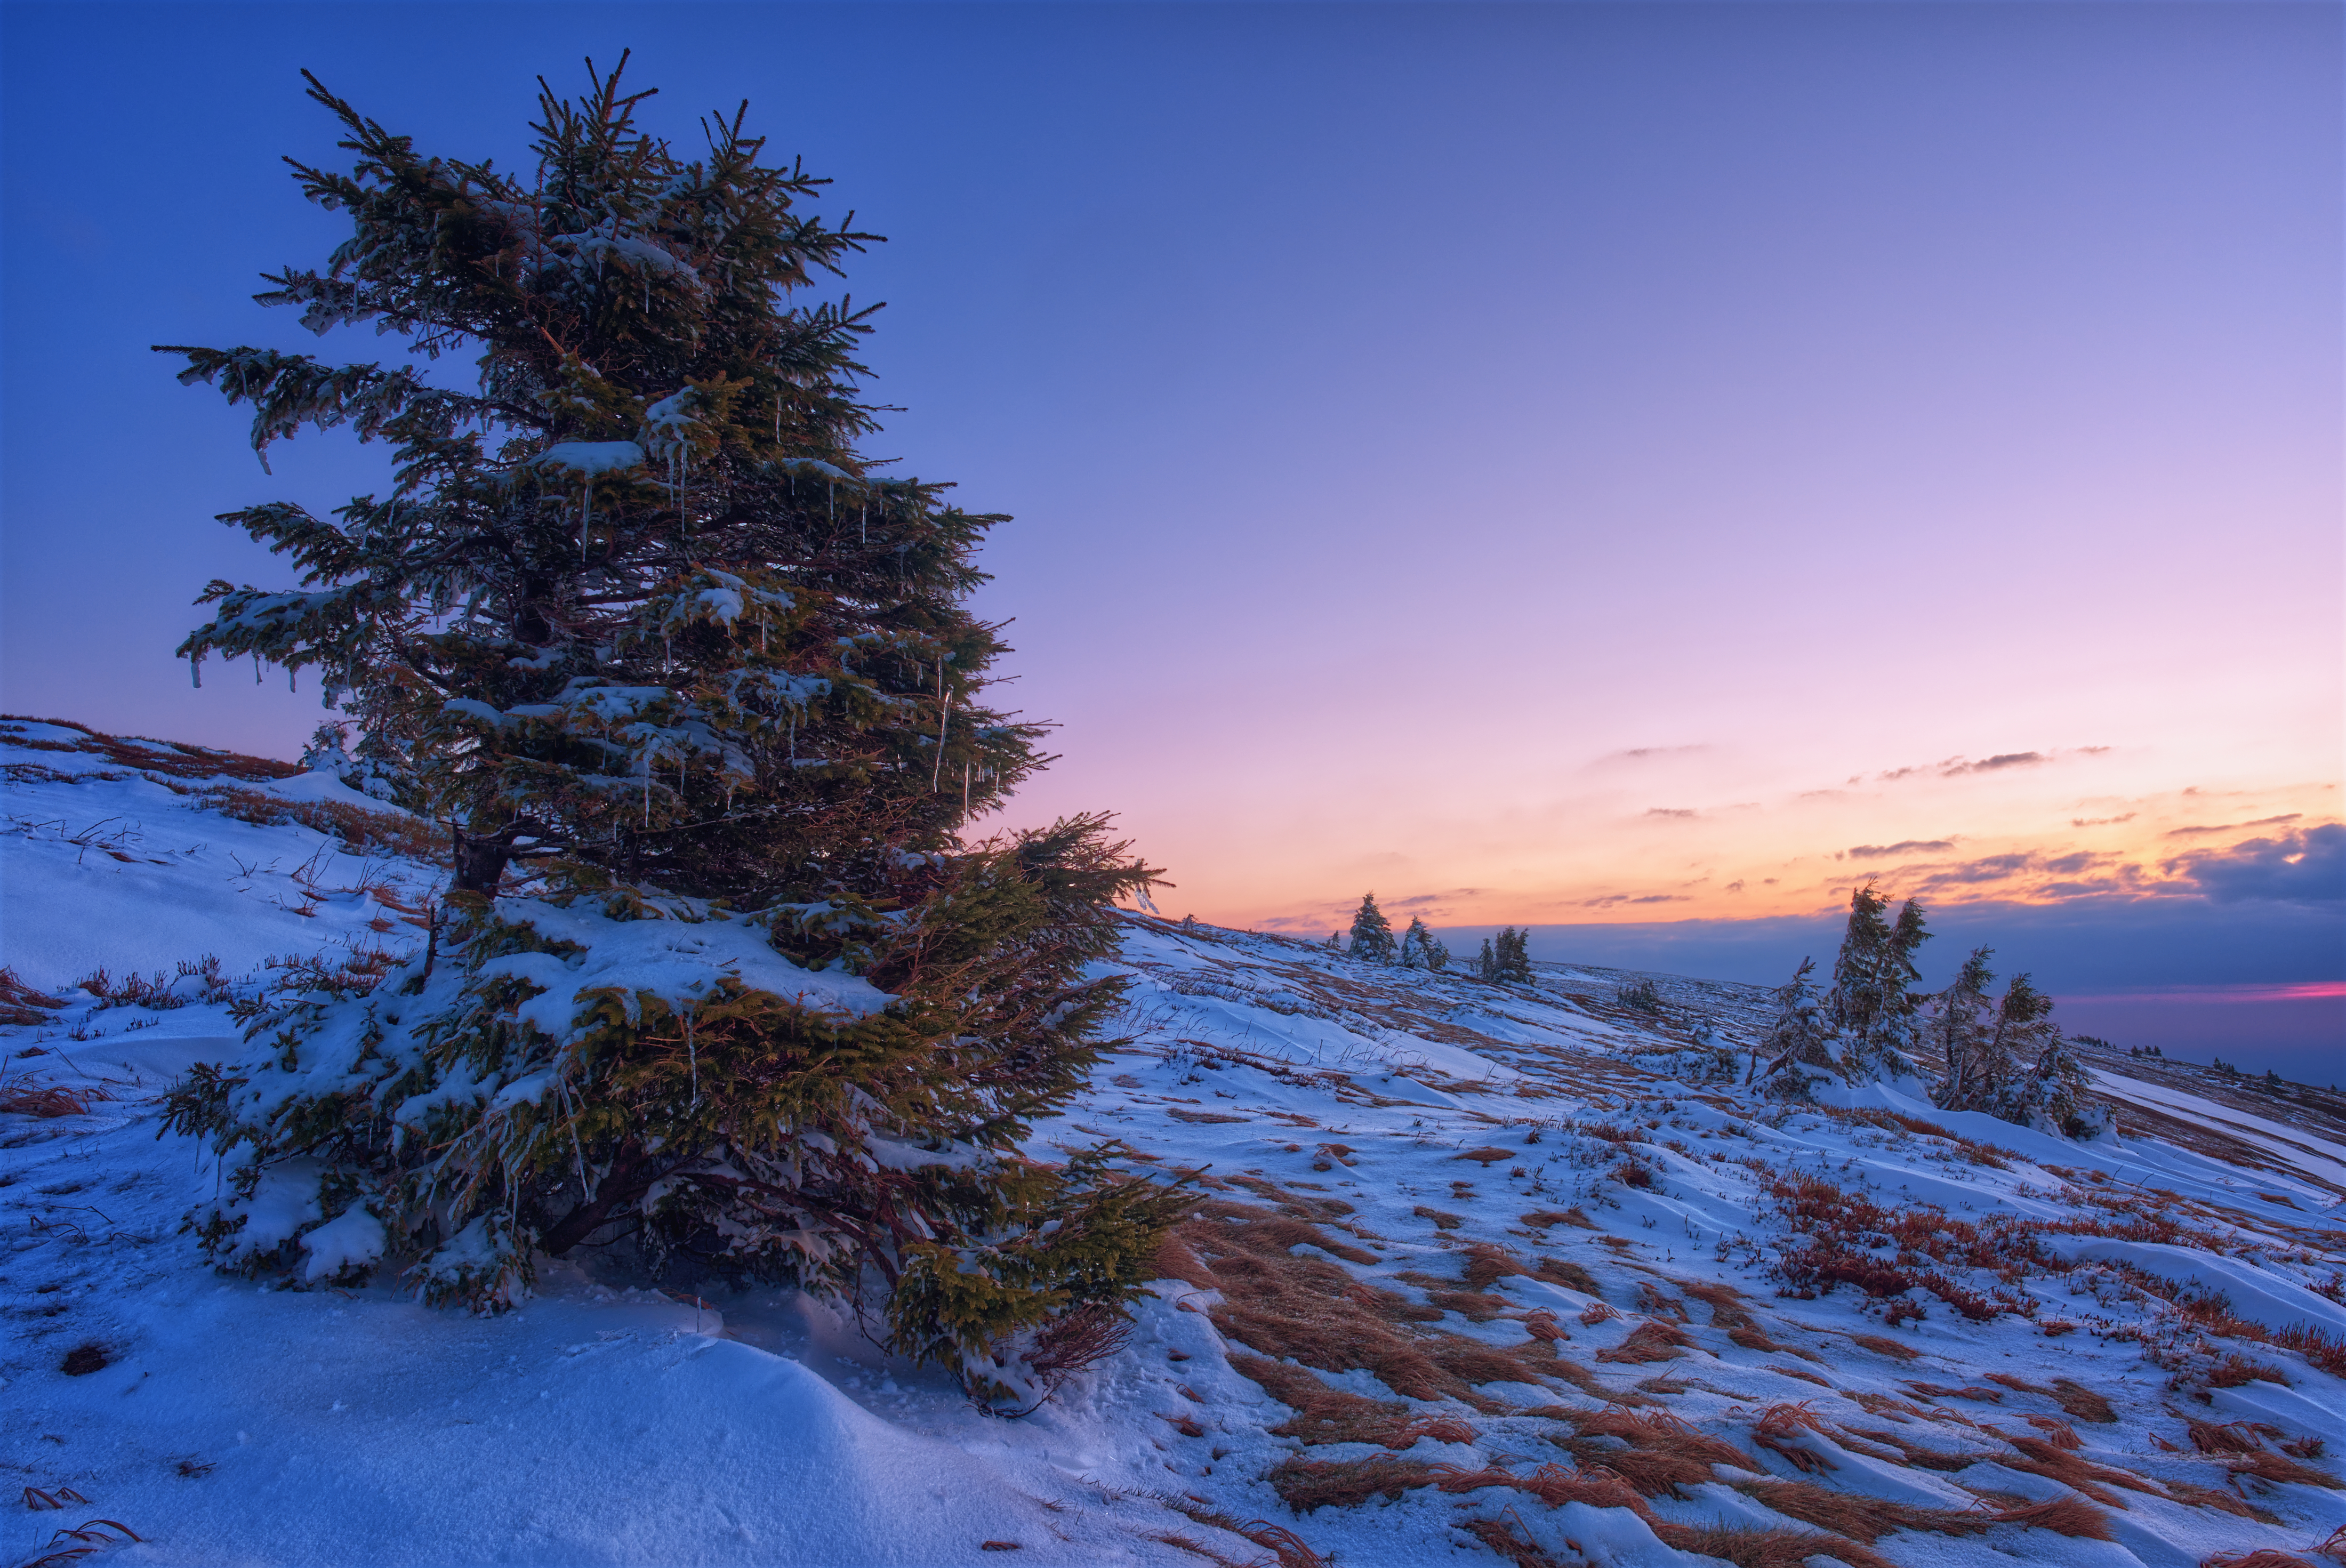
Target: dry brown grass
(358, 831)
(1777, 1427)
(1486, 1265)
(1915, 1454)
(1882, 1347)
(2235, 1370)
(2082, 1403)
(1541, 1324)
(1486, 1158)
(2068, 1516)
(31, 1097)
(1571, 1276)
(1284, 1545)
(1310, 1311)
(2193, 1495)
(1442, 1219)
(1553, 1484)
(2235, 1437)
(1324, 1415)
(21, 1004)
(1938, 1391)
(2262, 1557)
(1077, 1342)
(1305, 1484)
(1541, 1218)
(1651, 1340)
(1796, 1372)
(1504, 1537)
(1868, 1519)
(1747, 1547)
(2273, 1467)
(2078, 1402)
(2075, 1471)
(2060, 1434)
(1662, 1453)
(1726, 1303)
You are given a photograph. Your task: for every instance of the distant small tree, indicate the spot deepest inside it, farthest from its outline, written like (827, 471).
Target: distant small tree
(2056, 1096)
(1420, 949)
(1373, 937)
(1506, 957)
(1974, 1075)
(1871, 1007)
(1796, 1049)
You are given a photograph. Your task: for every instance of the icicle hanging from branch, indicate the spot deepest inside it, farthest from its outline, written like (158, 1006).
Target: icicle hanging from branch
(945, 712)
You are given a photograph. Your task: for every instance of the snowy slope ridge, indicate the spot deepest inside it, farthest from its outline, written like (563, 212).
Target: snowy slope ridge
(1485, 1274)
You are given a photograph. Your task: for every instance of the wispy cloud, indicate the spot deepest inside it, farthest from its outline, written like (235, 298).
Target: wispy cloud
(1903, 847)
(2099, 821)
(1616, 901)
(2232, 827)
(1992, 764)
(1959, 767)
(1648, 754)
(1666, 811)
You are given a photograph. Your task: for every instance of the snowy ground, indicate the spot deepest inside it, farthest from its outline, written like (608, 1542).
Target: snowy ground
(1479, 1273)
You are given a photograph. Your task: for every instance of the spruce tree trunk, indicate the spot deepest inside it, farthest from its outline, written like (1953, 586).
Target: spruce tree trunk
(624, 1182)
(479, 863)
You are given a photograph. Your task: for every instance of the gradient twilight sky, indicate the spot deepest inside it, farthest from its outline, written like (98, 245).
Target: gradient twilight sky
(1560, 464)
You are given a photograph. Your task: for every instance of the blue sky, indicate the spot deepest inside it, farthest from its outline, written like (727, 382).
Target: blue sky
(1577, 465)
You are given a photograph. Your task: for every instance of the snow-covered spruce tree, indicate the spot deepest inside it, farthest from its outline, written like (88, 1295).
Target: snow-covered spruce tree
(1871, 1007)
(2038, 1081)
(646, 626)
(1796, 1053)
(1511, 958)
(1373, 937)
(1420, 950)
(1973, 1071)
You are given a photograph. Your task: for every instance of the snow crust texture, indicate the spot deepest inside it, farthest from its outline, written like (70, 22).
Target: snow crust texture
(1478, 1273)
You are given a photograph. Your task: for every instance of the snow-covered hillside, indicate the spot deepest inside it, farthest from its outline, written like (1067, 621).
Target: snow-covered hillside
(1478, 1273)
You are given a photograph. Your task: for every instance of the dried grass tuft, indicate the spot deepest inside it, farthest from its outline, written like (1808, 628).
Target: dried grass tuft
(1747, 1547)
(2069, 1516)
(1570, 1275)
(2273, 1467)
(1077, 1342)
(1655, 1452)
(1488, 1265)
(1882, 1347)
(1868, 1519)
(1306, 1484)
(31, 1097)
(2060, 1434)
(1651, 1340)
(2075, 1471)
(1779, 1425)
(21, 1004)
